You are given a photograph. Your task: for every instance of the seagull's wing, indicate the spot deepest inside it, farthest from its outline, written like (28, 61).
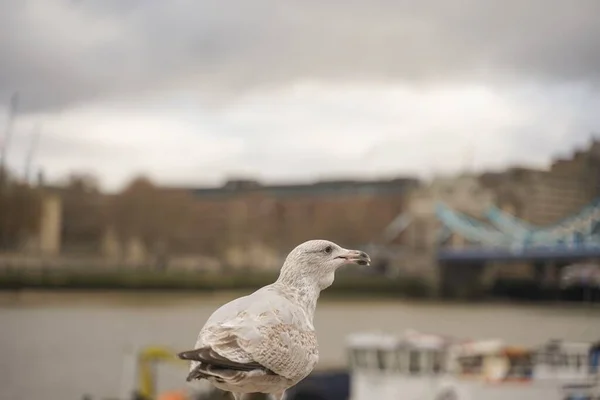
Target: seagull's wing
(208, 356)
(263, 331)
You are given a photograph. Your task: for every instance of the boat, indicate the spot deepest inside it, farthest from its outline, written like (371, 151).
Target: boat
(422, 366)
(386, 366)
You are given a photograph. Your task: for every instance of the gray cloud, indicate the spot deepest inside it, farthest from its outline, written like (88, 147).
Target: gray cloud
(59, 53)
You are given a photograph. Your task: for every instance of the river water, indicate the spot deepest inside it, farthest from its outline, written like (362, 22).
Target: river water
(61, 346)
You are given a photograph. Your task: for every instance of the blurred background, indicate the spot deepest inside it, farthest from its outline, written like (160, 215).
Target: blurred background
(161, 158)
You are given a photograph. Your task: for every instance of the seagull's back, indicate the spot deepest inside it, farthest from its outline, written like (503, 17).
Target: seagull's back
(265, 330)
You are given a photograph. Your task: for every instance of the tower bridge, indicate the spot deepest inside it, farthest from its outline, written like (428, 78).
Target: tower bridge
(503, 239)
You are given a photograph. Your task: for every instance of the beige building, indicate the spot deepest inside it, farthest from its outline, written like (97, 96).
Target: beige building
(543, 197)
(463, 193)
(50, 225)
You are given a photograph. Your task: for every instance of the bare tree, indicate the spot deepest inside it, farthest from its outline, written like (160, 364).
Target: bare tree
(20, 212)
(84, 213)
(159, 217)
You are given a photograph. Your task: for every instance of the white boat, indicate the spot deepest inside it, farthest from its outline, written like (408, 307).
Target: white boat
(417, 366)
(383, 366)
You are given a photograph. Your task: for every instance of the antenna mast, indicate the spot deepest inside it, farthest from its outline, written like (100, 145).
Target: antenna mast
(14, 101)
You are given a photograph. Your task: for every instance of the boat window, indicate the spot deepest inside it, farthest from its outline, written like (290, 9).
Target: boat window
(594, 361)
(544, 358)
(380, 356)
(413, 362)
(577, 361)
(433, 362)
(582, 361)
(555, 359)
(361, 358)
(563, 360)
(551, 358)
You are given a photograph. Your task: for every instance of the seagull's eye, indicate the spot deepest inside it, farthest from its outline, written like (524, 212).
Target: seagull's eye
(328, 249)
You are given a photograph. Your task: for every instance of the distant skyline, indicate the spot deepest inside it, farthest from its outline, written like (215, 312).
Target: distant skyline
(195, 92)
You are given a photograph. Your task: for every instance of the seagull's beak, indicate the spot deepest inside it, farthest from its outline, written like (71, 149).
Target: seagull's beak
(355, 257)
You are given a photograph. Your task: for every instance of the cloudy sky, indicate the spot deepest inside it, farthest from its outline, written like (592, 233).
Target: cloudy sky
(194, 91)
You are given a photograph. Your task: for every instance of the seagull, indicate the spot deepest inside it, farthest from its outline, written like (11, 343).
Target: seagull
(266, 342)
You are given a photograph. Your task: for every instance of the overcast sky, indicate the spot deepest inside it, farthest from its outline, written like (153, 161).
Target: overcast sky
(193, 91)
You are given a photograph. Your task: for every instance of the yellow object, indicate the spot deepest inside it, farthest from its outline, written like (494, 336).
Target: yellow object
(146, 374)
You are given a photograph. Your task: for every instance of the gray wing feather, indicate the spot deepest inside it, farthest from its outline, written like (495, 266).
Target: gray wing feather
(208, 356)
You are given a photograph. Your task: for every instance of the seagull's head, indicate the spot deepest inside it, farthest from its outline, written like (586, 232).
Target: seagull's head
(319, 259)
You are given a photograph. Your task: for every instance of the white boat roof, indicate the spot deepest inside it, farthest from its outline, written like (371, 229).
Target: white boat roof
(374, 340)
(419, 340)
(389, 341)
(426, 340)
(565, 345)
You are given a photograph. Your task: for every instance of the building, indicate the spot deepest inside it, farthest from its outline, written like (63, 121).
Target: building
(247, 213)
(242, 224)
(542, 197)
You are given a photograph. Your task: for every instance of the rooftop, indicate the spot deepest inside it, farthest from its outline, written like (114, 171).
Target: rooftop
(322, 188)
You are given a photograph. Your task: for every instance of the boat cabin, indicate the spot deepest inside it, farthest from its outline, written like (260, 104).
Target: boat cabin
(558, 359)
(422, 366)
(391, 367)
(491, 360)
(408, 354)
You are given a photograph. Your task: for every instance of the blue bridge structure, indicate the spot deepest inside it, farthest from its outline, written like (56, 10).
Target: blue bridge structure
(501, 237)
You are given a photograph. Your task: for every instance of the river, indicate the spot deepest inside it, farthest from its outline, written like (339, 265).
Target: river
(61, 346)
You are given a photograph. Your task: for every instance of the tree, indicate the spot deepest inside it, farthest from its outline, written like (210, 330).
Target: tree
(20, 211)
(84, 213)
(159, 217)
